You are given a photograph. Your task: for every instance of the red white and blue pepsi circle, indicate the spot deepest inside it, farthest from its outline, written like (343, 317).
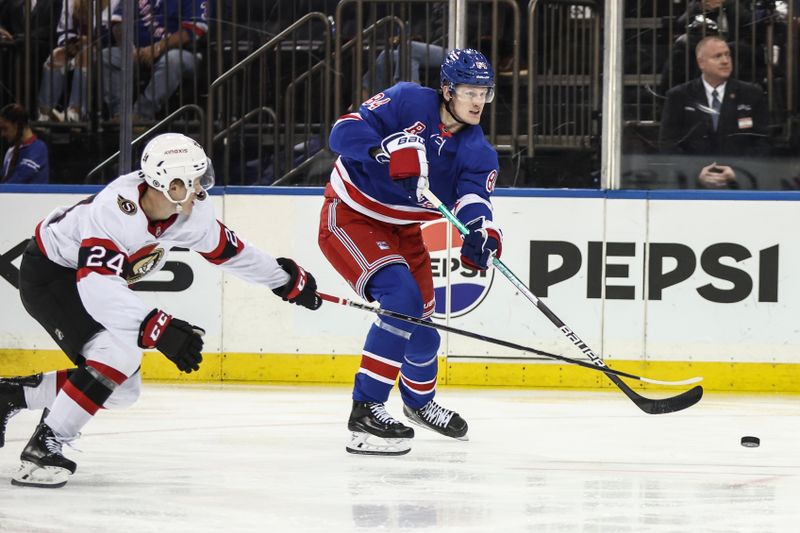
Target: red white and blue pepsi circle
(468, 287)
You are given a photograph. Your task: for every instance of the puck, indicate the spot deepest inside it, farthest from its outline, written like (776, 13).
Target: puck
(751, 442)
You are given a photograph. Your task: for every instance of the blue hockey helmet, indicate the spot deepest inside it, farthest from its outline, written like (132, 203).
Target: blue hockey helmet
(466, 66)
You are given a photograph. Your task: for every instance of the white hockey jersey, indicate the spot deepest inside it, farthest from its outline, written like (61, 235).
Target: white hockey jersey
(110, 243)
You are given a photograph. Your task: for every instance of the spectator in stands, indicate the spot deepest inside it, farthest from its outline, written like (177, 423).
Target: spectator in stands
(72, 54)
(425, 26)
(715, 115)
(731, 20)
(43, 16)
(12, 20)
(163, 33)
(423, 55)
(506, 65)
(26, 159)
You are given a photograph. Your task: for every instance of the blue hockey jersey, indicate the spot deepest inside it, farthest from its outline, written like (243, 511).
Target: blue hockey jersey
(32, 163)
(157, 19)
(462, 166)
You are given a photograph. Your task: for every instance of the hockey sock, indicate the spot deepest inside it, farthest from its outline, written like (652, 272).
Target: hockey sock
(42, 396)
(380, 362)
(420, 368)
(83, 394)
(394, 288)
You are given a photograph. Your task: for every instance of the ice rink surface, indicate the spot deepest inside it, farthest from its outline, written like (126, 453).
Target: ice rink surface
(271, 459)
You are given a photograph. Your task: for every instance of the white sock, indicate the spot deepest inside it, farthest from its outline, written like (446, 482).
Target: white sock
(42, 396)
(66, 417)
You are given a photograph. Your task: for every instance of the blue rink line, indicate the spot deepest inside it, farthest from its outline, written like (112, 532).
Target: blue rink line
(682, 194)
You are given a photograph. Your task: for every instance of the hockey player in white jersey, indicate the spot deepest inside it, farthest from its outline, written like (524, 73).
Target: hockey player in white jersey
(74, 281)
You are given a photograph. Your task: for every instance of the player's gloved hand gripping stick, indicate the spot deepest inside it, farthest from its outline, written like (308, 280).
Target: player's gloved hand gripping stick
(408, 161)
(301, 289)
(483, 242)
(651, 406)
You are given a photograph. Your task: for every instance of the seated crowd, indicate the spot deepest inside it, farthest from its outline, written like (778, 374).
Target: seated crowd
(714, 107)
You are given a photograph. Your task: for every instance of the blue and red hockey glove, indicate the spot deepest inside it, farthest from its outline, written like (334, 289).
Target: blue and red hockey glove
(484, 241)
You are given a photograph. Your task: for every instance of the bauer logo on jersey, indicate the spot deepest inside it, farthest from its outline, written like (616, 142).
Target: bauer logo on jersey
(126, 206)
(143, 262)
(468, 287)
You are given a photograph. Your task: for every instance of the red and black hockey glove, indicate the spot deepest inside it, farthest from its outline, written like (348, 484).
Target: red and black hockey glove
(483, 241)
(408, 161)
(301, 289)
(180, 341)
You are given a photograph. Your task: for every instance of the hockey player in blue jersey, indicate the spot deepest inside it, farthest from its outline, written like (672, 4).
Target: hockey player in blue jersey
(400, 142)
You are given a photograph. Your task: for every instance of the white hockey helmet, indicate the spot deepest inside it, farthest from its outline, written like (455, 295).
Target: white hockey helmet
(172, 156)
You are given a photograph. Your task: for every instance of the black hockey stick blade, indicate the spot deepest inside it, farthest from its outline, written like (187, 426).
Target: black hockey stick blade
(662, 406)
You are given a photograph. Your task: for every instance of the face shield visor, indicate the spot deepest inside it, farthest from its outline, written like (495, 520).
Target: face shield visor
(207, 180)
(473, 94)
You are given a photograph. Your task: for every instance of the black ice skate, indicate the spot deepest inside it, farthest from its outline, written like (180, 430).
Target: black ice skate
(435, 417)
(375, 432)
(43, 464)
(12, 399)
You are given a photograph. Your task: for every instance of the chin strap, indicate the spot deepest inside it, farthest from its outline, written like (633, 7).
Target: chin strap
(178, 206)
(452, 113)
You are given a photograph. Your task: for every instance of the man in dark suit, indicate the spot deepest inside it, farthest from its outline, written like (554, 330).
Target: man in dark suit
(715, 115)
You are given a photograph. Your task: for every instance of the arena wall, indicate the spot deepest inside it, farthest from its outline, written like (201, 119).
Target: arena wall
(664, 284)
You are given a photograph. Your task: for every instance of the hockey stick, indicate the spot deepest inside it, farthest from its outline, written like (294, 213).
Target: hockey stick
(507, 344)
(651, 406)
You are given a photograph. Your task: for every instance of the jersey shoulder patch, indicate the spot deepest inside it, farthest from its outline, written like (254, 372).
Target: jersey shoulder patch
(126, 206)
(415, 129)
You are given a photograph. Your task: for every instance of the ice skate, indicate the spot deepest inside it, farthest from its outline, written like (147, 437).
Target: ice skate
(375, 432)
(436, 418)
(43, 464)
(12, 399)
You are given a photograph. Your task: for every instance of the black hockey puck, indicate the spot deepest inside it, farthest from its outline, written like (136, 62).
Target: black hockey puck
(751, 442)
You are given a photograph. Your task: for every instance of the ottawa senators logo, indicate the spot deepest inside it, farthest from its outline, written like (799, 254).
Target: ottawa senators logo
(142, 263)
(126, 206)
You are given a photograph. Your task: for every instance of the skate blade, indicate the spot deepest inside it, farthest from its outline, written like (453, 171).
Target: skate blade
(366, 444)
(462, 438)
(48, 477)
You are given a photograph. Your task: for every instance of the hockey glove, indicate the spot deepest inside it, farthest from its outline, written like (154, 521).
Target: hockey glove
(180, 341)
(301, 288)
(483, 241)
(408, 162)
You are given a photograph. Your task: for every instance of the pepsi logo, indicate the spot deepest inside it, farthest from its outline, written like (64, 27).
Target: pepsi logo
(468, 287)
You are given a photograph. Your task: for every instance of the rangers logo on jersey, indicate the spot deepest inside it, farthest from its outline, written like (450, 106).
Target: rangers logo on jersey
(126, 206)
(491, 181)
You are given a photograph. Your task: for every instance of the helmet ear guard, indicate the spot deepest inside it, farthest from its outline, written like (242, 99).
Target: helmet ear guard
(172, 156)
